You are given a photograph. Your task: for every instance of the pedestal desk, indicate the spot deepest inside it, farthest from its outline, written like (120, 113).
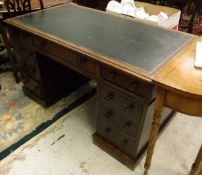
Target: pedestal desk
(60, 45)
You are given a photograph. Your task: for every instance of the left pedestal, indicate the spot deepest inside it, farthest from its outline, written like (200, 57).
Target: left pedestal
(44, 80)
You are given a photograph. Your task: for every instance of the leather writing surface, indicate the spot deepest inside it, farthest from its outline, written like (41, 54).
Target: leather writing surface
(133, 43)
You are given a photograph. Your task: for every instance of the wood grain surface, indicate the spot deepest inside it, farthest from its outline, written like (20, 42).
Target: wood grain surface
(180, 75)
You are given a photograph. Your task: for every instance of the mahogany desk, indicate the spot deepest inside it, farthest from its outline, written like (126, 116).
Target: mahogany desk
(122, 55)
(179, 88)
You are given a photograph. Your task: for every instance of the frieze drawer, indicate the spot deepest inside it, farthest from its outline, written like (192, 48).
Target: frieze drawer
(67, 55)
(127, 82)
(125, 124)
(120, 139)
(120, 103)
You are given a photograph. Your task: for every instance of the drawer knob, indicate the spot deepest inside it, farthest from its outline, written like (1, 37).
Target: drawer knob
(127, 125)
(124, 142)
(133, 86)
(107, 131)
(108, 97)
(108, 115)
(129, 108)
(111, 75)
(81, 61)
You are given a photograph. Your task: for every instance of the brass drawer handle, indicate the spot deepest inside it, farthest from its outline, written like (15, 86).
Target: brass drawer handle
(81, 61)
(108, 97)
(129, 108)
(108, 115)
(127, 125)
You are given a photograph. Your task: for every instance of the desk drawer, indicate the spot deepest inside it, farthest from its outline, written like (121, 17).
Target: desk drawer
(127, 82)
(124, 124)
(118, 138)
(68, 55)
(120, 103)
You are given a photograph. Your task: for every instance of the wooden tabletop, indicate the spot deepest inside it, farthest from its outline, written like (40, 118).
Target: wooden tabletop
(180, 75)
(47, 3)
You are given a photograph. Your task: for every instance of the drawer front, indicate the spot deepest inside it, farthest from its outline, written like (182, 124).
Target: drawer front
(107, 115)
(76, 59)
(121, 103)
(123, 141)
(33, 86)
(127, 82)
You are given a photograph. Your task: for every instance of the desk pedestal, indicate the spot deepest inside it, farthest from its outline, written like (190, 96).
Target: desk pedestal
(123, 124)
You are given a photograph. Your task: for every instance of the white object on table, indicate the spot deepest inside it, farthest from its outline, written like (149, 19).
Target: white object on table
(198, 55)
(163, 15)
(128, 7)
(114, 6)
(141, 14)
(128, 2)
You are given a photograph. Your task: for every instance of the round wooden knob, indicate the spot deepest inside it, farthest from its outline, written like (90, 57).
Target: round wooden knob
(108, 115)
(129, 108)
(107, 131)
(124, 142)
(111, 75)
(81, 61)
(127, 125)
(133, 86)
(108, 97)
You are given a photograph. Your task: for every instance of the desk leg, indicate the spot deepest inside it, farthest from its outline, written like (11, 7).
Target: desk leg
(155, 127)
(197, 166)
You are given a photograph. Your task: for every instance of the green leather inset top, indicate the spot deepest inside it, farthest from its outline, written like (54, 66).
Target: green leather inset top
(133, 43)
